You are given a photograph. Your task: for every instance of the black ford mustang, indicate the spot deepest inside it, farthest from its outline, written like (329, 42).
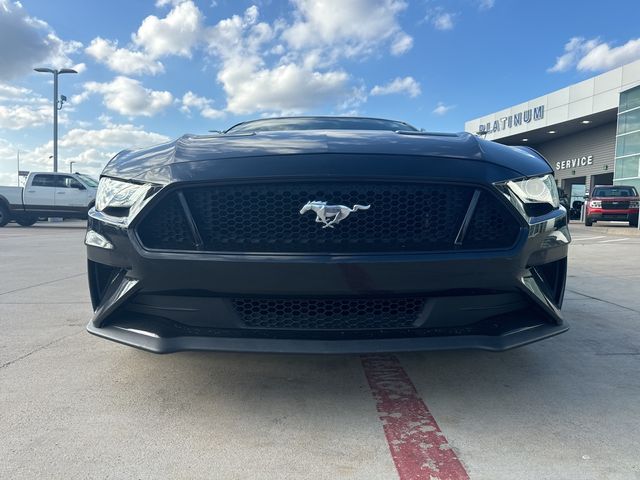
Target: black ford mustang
(323, 235)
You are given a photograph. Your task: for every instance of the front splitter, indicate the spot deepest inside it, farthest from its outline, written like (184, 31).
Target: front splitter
(156, 344)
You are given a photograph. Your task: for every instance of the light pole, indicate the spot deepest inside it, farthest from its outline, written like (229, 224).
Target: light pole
(71, 166)
(55, 73)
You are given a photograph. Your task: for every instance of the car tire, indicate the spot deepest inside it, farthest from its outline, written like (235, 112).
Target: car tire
(633, 223)
(4, 215)
(588, 222)
(26, 221)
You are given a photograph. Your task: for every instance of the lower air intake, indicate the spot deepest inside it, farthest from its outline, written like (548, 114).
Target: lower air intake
(330, 313)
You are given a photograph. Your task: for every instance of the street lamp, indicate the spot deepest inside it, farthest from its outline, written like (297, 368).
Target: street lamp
(57, 105)
(71, 166)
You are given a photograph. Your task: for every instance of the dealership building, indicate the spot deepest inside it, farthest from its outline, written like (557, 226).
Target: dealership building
(589, 132)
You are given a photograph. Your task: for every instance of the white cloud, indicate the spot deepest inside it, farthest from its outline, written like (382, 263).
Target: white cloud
(239, 35)
(92, 148)
(605, 57)
(8, 179)
(401, 44)
(203, 105)
(352, 28)
(123, 60)
(594, 55)
(442, 109)
(8, 159)
(115, 136)
(574, 49)
(89, 148)
(443, 21)
(22, 108)
(252, 86)
(175, 34)
(127, 97)
(15, 94)
(164, 3)
(27, 41)
(406, 85)
(286, 88)
(80, 67)
(486, 4)
(18, 117)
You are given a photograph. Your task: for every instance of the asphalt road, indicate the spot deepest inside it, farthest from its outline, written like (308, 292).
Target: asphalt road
(75, 406)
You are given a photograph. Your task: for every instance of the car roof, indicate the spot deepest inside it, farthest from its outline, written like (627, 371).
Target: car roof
(325, 117)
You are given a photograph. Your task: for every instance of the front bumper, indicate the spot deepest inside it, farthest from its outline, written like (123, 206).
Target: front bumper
(613, 215)
(166, 302)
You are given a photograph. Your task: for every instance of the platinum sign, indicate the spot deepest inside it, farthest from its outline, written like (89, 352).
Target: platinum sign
(515, 120)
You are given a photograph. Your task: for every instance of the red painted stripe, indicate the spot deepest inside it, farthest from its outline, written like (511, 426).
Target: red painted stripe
(418, 446)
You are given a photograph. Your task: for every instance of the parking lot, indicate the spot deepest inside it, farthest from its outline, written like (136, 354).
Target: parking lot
(75, 406)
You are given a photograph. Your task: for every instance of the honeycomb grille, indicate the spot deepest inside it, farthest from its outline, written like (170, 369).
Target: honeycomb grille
(491, 224)
(329, 313)
(165, 227)
(265, 218)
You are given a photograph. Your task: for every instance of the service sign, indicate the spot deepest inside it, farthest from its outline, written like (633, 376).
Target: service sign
(575, 162)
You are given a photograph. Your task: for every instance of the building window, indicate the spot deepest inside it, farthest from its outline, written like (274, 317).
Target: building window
(629, 99)
(628, 139)
(629, 121)
(627, 167)
(628, 144)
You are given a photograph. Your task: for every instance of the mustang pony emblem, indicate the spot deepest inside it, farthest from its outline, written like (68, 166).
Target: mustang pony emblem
(324, 212)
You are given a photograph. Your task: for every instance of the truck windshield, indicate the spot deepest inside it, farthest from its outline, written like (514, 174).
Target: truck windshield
(320, 123)
(88, 180)
(615, 192)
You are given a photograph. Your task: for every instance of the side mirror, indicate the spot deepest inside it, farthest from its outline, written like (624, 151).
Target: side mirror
(81, 187)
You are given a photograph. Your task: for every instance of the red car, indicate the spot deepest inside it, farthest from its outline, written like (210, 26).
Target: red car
(613, 202)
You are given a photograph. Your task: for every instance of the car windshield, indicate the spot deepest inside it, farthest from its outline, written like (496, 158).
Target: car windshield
(88, 180)
(320, 123)
(615, 192)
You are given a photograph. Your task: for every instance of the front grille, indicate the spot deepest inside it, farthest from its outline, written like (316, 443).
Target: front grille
(330, 313)
(615, 205)
(403, 217)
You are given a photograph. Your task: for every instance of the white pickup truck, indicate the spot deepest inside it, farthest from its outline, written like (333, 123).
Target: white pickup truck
(47, 194)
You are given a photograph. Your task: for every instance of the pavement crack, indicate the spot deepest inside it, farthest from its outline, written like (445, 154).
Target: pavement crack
(604, 301)
(43, 283)
(37, 349)
(619, 353)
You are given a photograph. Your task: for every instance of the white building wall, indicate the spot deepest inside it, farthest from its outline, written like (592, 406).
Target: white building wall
(590, 96)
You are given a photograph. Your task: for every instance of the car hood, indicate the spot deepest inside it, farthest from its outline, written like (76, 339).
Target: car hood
(152, 164)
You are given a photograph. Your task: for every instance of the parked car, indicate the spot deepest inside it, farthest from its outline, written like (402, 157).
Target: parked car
(47, 194)
(612, 202)
(575, 211)
(327, 235)
(564, 199)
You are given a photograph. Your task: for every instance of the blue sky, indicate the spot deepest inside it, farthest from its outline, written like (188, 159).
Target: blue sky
(155, 69)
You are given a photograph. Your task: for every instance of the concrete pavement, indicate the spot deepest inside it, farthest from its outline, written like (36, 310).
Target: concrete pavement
(75, 406)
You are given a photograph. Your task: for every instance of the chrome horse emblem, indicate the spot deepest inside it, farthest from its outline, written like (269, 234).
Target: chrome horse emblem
(330, 215)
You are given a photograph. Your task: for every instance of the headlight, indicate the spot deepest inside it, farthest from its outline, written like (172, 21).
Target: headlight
(118, 194)
(634, 204)
(536, 190)
(595, 204)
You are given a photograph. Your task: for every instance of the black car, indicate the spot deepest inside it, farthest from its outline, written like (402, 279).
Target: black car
(327, 235)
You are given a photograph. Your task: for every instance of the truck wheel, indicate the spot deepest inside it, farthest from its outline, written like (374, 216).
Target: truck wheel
(4, 215)
(26, 221)
(588, 222)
